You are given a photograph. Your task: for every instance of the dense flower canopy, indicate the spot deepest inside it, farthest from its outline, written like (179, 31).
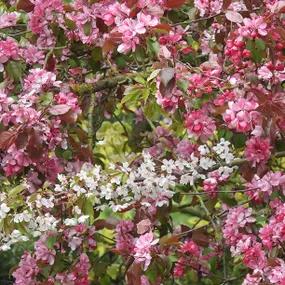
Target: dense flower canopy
(142, 142)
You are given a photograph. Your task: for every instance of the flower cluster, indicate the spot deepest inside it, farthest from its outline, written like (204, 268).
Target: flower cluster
(142, 141)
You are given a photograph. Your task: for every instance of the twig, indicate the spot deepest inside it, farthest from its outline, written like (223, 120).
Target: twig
(205, 208)
(90, 120)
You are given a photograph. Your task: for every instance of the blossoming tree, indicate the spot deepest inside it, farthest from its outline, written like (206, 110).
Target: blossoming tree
(142, 142)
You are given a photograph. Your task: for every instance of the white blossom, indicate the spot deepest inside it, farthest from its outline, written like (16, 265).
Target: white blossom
(4, 210)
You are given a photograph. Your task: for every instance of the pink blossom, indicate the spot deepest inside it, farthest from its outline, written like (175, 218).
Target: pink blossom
(236, 50)
(81, 270)
(19, 115)
(143, 248)
(124, 237)
(264, 73)
(252, 279)
(14, 161)
(86, 27)
(190, 247)
(273, 233)
(170, 39)
(43, 253)
(199, 85)
(210, 186)
(237, 219)
(262, 188)
(5, 102)
(244, 243)
(208, 7)
(114, 13)
(253, 27)
(242, 115)
(276, 274)
(69, 99)
(170, 102)
(8, 20)
(223, 98)
(8, 50)
(179, 268)
(199, 124)
(254, 257)
(185, 148)
(43, 13)
(65, 278)
(40, 80)
(27, 270)
(31, 54)
(132, 28)
(258, 150)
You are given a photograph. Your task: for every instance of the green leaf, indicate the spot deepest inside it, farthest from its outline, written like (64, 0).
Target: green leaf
(87, 28)
(67, 154)
(60, 264)
(139, 79)
(121, 61)
(224, 133)
(50, 242)
(15, 70)
(153, 111)
(183, 85)
(153, 75)
(46, 99)
(88, 210)
(133, 94)
(96, 54)
(239, 140)
(113, 270)
(153, 46)
(257, 49)
(140, 54)
(15, 191)
(260, 45)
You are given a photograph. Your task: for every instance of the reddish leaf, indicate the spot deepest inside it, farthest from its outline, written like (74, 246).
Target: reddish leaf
(131, 3)
(68, 8)
(82, 152)
(174, 3)
(169, 240)
(166, 75)
(110, 224)
(108, 46)
(7, 138)
(248, 4)
(134, 274)
(50, 63)
(167, 81)
(59, 109)
(247, 171)
(226, 4)
(35, 148)
(22, 139)
(69, 118)
(164, 27)
(234, 17)
(200, 237)
(100, 24)
(25, 5)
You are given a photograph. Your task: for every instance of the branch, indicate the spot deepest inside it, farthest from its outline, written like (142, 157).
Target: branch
(91, 120)
(102, 84)
(240, 161)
